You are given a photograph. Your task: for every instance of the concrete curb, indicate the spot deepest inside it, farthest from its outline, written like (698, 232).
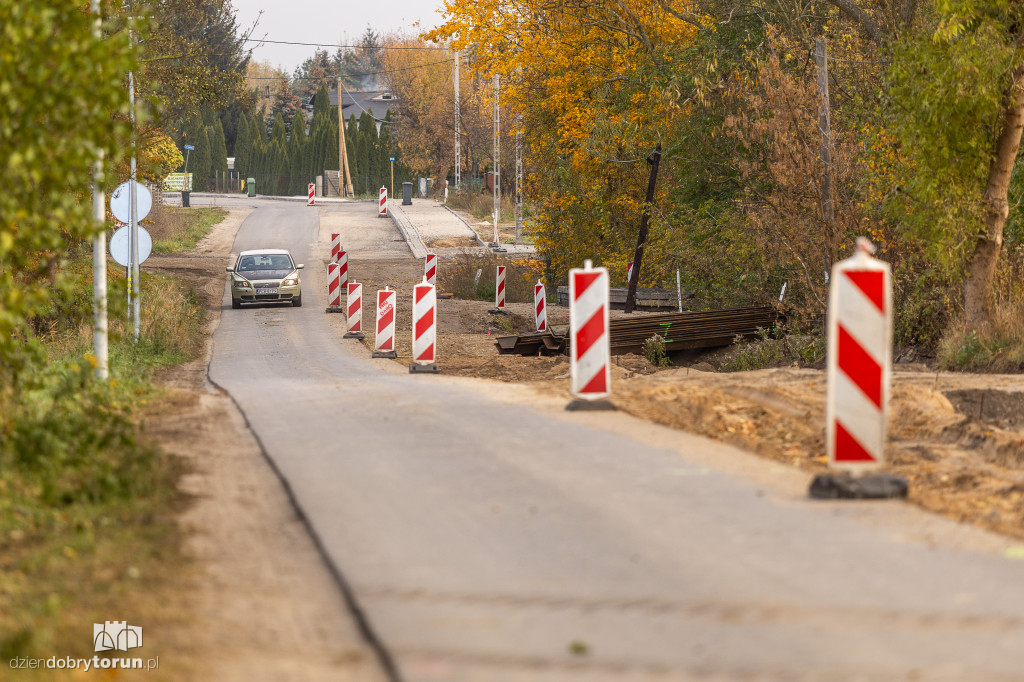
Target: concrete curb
(408, 230)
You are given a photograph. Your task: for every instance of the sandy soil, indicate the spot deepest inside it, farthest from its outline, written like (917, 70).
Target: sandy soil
(262, 602)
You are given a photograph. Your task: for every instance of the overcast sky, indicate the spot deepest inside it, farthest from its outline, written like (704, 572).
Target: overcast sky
(309, 21)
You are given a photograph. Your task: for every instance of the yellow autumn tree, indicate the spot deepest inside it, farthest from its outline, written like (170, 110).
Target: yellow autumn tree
(576, 78)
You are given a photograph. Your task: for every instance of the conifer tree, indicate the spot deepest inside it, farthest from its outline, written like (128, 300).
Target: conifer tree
(297, 152)
(242, 147)
(201, 158)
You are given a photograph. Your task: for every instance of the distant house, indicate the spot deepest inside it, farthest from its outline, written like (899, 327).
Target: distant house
(377, 102)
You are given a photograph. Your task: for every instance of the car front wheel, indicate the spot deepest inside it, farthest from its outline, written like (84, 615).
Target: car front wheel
(236, 304)
(297, 301)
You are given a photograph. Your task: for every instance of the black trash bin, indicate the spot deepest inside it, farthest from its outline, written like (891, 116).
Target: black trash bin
(406, 194)
(184, 198)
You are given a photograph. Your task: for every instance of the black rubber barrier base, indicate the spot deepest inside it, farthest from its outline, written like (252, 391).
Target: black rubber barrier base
(498, 311)
(334, 309)
(354, 335)
(423, 369)
(389, 354)
(846, 486)
(445, 296)
(590, 406)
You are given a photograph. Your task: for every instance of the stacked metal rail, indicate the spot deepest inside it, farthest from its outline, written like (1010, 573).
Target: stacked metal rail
(680, 331)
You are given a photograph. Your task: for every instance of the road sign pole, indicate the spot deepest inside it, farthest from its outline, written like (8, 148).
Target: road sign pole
(134, 256)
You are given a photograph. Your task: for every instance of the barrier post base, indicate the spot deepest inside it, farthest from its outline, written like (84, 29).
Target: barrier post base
(334, 309)
(590, 406)
(445, 296)
(389, 354)
(869, 486)
(498, 311)
(354, 335)
(423, 369)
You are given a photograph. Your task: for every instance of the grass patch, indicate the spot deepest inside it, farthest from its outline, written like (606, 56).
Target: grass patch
(87, 529)
(766, 351)
(175, 229)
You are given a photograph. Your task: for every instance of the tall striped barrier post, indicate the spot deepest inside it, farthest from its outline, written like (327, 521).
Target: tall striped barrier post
(540, 306)
(859, 376)
(333, 289)
(354, 308)
(424, 328)
(499, 292)
(335, 246)
(430, 269)
(312, 194)
(382, 211)
(343, 267)
(384, 339)
(589, 342)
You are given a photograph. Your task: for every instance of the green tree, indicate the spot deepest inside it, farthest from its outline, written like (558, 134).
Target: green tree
(965, 77)
(218, 149)
(55, 124)
(201, 157)
(297, 152)
(242, 147)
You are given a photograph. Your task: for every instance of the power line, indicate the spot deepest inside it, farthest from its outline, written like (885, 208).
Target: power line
(359, 73)
(353, 47)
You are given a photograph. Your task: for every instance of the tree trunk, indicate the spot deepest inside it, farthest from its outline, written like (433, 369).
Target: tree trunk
(981, 267)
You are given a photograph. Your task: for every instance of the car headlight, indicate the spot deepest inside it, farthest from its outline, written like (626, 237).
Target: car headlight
(241, 283)
(290, 282)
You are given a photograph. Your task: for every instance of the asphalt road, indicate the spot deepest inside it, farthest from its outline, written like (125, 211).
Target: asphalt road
(487, 538)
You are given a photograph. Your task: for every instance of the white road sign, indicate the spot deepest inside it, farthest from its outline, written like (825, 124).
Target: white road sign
(121, 204)
(119, 245)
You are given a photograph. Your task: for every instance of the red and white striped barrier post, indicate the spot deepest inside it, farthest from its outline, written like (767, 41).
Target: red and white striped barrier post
(589, 344)
(312, 194)
(499, 292)
(859, 359)
(859, 376)
(424, 328)
(540, 306)
(446, 191)
(333, 289)
(354, 305)
(383, 210)
(335, 246)
(343, 267)
(384, 341)
(430, 269)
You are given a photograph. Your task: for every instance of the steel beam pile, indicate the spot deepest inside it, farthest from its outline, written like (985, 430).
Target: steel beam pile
(683, 331)
(680, 331)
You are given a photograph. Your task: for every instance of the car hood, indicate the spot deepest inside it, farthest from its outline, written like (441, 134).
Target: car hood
(265, 275)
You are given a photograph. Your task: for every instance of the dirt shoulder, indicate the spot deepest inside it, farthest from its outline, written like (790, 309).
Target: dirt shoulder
(261, 602)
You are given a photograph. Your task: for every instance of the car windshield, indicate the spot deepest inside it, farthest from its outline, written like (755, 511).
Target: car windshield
(270, 261)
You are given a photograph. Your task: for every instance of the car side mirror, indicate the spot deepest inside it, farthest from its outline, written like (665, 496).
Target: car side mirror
(299, 266)
(230, 269)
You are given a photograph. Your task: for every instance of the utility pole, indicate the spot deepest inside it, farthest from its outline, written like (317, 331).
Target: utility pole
(828, 210)
(458, 133)
(99, 247)
(497, 162)
(346, 189)
(519, 177)
(645, 216)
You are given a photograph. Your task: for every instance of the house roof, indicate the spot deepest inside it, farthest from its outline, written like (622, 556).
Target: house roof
(376, 102)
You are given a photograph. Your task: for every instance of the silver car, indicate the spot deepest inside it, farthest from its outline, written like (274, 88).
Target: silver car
(265, 276)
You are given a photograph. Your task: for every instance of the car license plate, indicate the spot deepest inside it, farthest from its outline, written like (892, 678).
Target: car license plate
(266, 291)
